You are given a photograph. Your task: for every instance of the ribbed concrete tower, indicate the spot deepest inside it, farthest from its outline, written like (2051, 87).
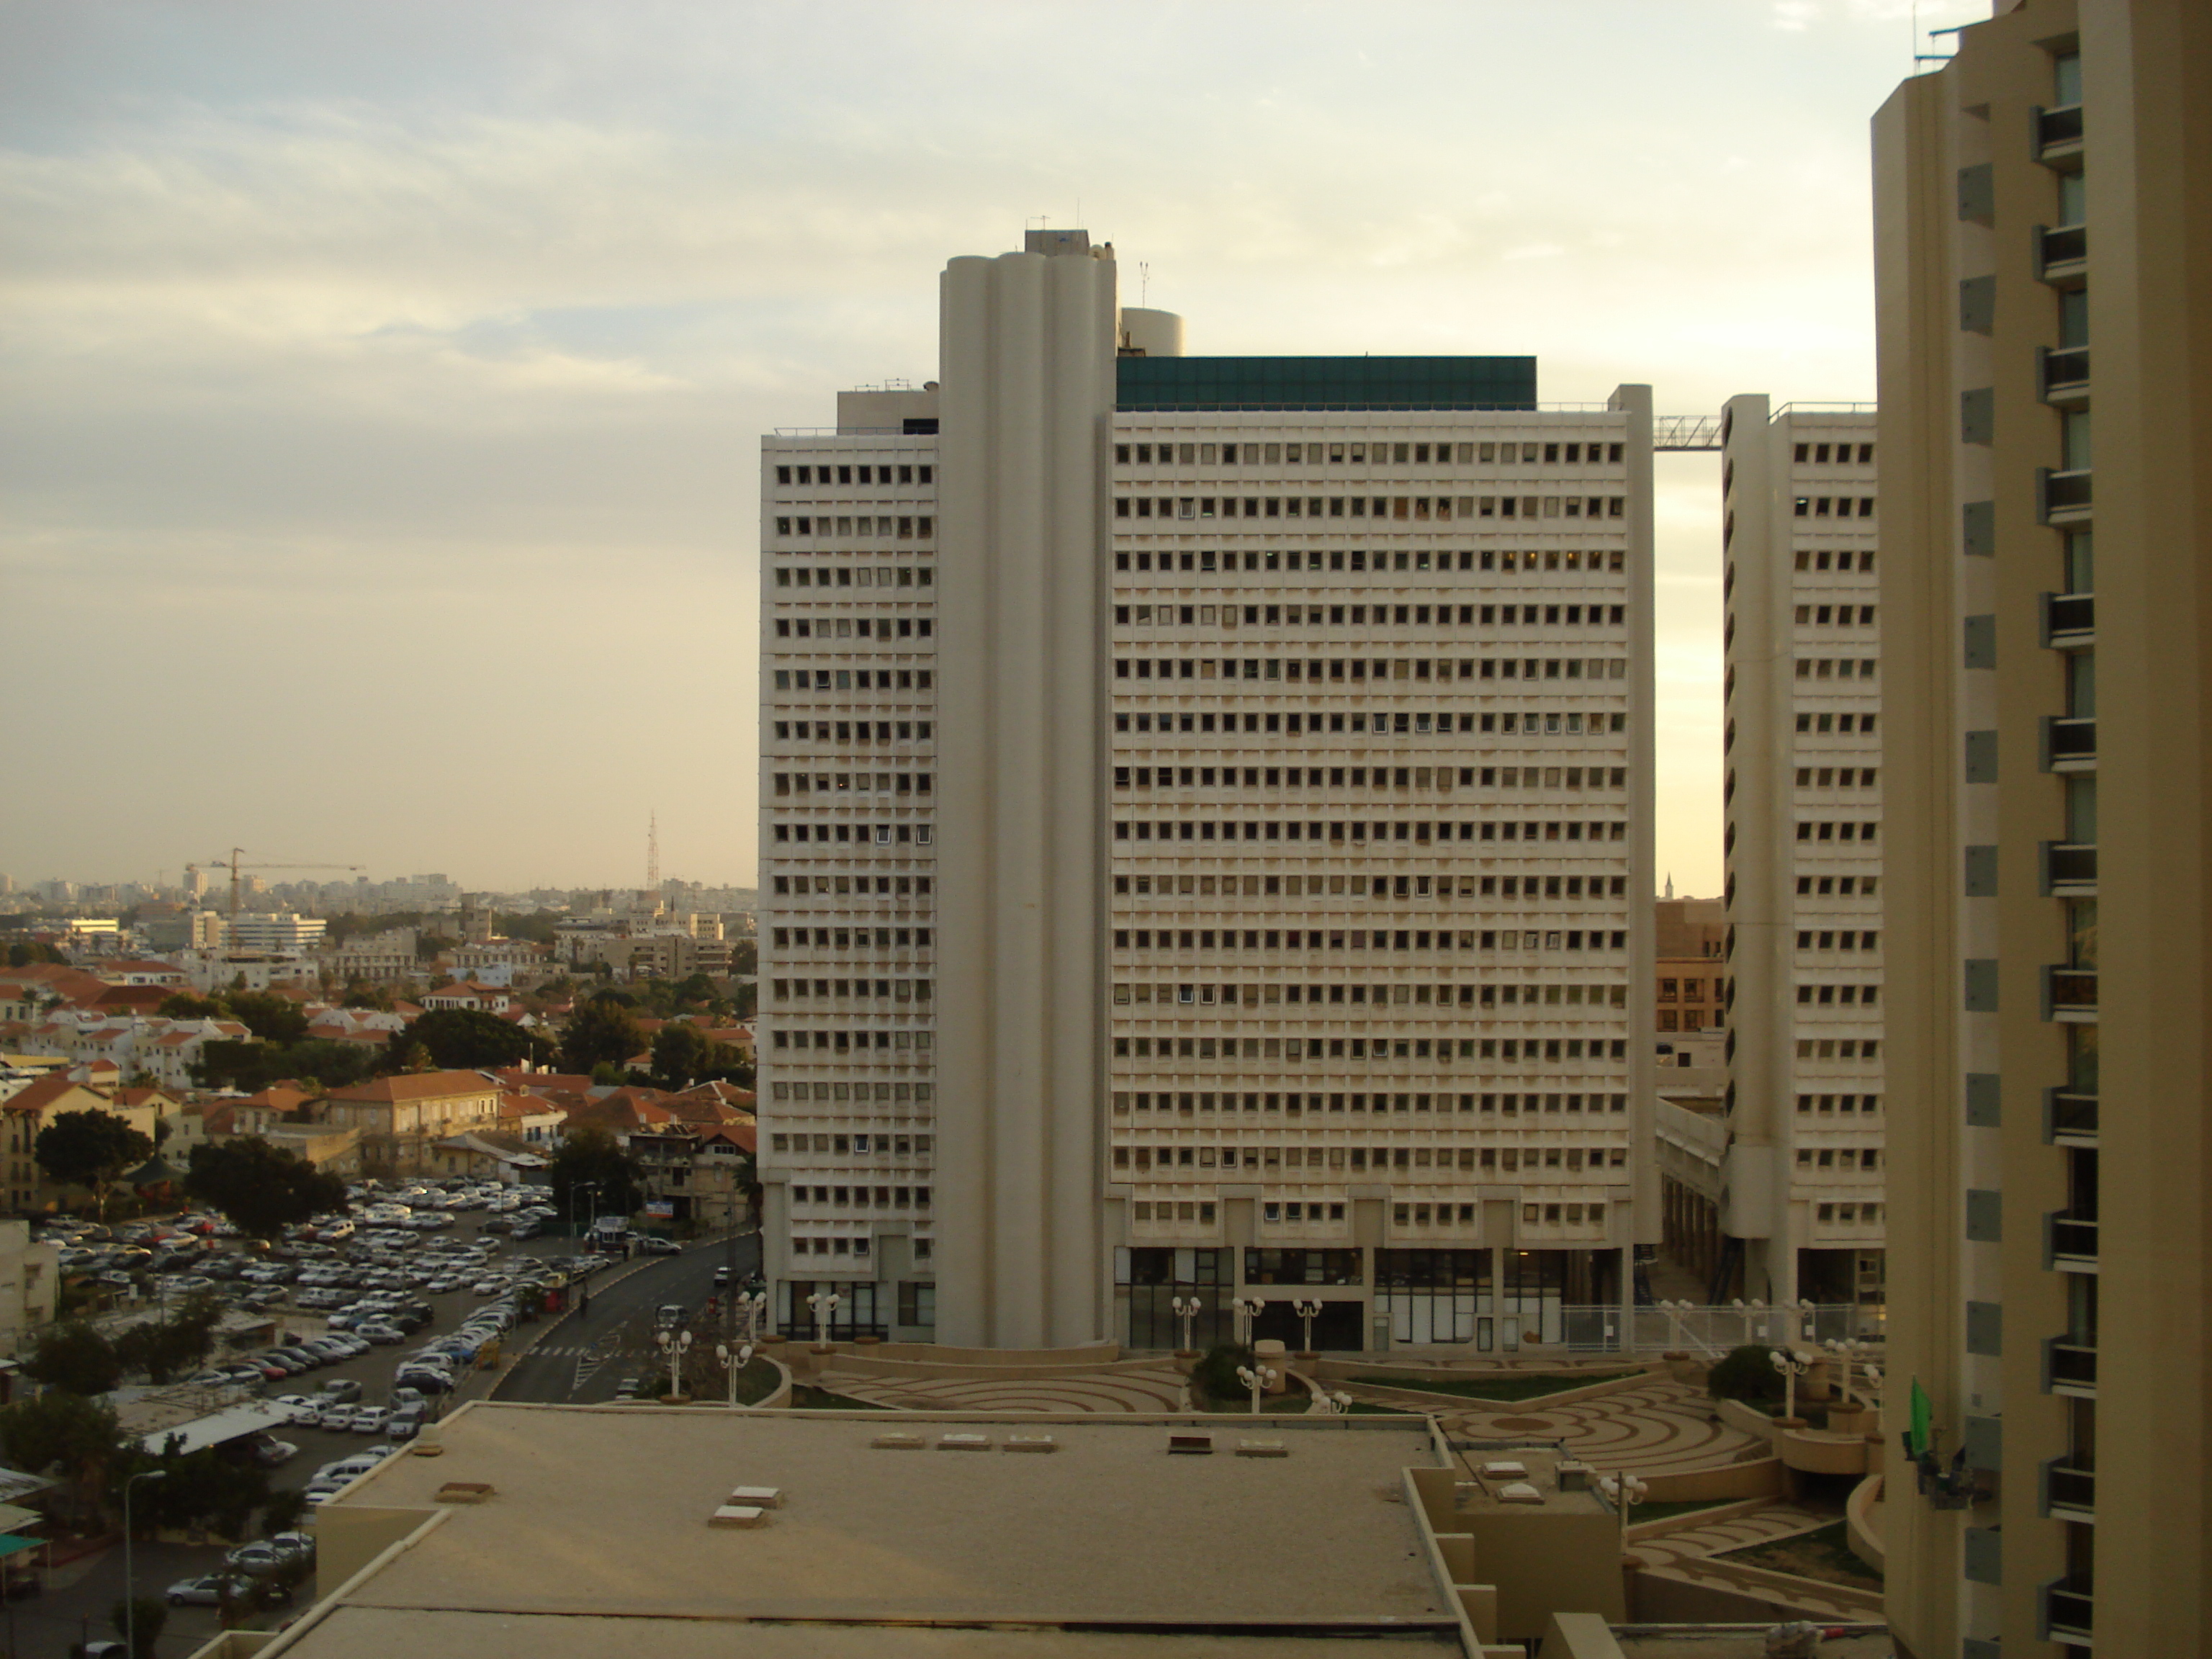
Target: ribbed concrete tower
(1027, 343)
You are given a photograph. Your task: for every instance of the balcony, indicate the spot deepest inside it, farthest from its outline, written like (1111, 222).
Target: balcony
(2069, 1119)
(2069, 995)
(2069, 620)
(2062, 255)
(2069, 1243)
(2062, 375)
(2069, 744)
(2068, 1613)
(2069, 870)
(2069, 1367)
(2058, 137)
(2064, 499)
(2068, 1494)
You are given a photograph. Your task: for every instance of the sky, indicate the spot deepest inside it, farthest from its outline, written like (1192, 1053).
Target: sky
(381, 385)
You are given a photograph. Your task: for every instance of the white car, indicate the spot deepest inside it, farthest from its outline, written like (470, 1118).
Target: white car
(274, 1452)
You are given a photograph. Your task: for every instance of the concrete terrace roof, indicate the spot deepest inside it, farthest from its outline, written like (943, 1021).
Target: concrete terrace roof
(602, 1512)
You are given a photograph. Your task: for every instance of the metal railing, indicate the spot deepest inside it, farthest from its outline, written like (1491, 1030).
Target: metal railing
(2069, 867)
(2069, 1489)
(2070, 1367)
(2065, 497)
(2069, 743)
(1711, 1331)
(2069, 1613)
(2069, 1119)
(2057, 128)
(2063, 373)
(2070, 994)
(2069, 618)
(2070, 1239)
(2062, 252)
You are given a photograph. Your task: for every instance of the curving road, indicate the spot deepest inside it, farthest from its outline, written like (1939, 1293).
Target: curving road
(587, 1357)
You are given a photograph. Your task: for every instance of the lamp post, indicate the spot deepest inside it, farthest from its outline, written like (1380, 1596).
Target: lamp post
(1846, 1349)
(1335, 1405)
(1247, 1310)
(1678, 1314)
(733, 1362)
(1259, 1379)
(676, 1345)
(1187, 1309)
(1806, 1310)
(130, 1581)
(1308, 1312)
(1791, 1367)
(749, 1306)
(824, 1303)
(1625, 1491)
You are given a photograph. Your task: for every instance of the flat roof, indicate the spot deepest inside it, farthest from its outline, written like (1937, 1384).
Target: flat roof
(603, 1511)
(1163, 384)
(196, 1434)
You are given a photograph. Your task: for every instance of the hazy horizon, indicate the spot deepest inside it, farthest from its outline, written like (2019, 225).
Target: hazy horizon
(383, 385)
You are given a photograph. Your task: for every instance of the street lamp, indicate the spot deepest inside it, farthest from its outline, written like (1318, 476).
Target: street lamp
(824, 1303)
(1806, 1309)
(733, 1362)
(1308, 1312)
(749, 1306)
(1247, 1310)
(1678, 1315)
(1624, 1490)
(130, 1583)
(1846, 1349)
(1187, 1309)
(674, 1345)
(1259, 1379)
(1791, 1367)
(1335, 1405)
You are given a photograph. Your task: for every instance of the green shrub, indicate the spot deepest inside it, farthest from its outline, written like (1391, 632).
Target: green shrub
(1214, 1375)
(1745, 1373)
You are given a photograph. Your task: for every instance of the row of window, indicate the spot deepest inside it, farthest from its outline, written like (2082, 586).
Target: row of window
(1206, 886)
(895, 990)
(1300, 669)
(848, 1040)
(895, 1093)
(842, 783)
(1838, 1048)
(877, 1145)
(1354, 993)
(854, 628)
(1355, 616)
(1848, 1214)
(905, 526)
(1848, 886)
(854, 886)
(854, 679)
(1830, 940)
(1833, 777)
(1419, 722)
(1838, 507)
(858, 575)
(1836, 615)
(1567, 1158)
(1414, 509)
(907, 473)
(1839, 1102)
(1837, 559)
(1837, 668)
(843, 938)
(853, 730)
(1692, 990)
(1513, 1050)
(1293, 938)
(1822, 723)
(1490, 829)
(886, 1198)
(1509, 1105)
(1355, 777)
(1822, 454)
(1827, 995)
(1381, 560)
(1316, 453)
(1831, 831)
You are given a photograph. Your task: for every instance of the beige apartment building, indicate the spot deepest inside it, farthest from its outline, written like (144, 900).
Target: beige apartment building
(1041, 1050)
(399, 1117)
(2043, 257)
(1800, 1206)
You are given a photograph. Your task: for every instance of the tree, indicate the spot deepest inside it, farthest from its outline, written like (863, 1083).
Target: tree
(465, 1039)
(23, 953)
(591, 1155)
(262, 1189)
(272, 1017)
(163, 1349)
(600, 1032)
(680, 1052)
(76, 1438)
(142, 1619)
(90, 1149)
(253, 1066)
(183, 1004)
(74, 1356)
(1745, 1373)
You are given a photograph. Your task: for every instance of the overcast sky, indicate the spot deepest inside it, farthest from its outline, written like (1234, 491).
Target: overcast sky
(379, 384)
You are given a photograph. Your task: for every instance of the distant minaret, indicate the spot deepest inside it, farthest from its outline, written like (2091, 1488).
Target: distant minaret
(1671, 884)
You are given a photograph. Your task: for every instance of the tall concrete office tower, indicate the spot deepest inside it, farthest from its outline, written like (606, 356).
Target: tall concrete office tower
(1041, 1049)
(1800, 1206)
(2043, 257)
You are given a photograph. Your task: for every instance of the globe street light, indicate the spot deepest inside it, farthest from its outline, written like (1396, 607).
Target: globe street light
(824, 1303)
(1846, 1349)
(733, 1362)
(1306, 1311)
(1335, 1405)
(130, 1585)
(747, 1306)
(1678, 1314)
(1247, 1310)
(1791, 1367)
(674, 1345)
(1624, 1490)
(1259, 1379)
(1187, 1309)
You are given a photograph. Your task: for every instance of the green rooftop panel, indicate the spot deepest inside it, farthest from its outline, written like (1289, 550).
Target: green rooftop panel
(1348, 383)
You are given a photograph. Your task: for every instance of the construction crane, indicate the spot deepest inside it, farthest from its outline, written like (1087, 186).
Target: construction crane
(236, 852)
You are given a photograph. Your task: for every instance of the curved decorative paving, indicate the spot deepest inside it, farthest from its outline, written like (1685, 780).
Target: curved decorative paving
(1688, 1543)
(1657, 1426)
(1159, 1390)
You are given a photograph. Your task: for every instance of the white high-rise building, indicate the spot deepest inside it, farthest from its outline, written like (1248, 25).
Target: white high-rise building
(1253, 893)
(1800, 1205)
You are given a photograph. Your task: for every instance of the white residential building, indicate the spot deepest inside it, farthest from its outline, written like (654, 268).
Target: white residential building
(1801, 1200)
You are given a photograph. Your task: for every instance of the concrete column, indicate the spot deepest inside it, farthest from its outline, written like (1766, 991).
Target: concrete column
(1028, 393)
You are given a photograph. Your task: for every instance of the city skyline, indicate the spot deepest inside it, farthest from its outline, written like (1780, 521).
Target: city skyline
(550, 278)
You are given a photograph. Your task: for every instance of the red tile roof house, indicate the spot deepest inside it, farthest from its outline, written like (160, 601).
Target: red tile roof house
(399, 1117)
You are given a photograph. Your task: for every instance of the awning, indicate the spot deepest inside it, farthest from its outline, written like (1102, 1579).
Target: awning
(10, 1543)
(14, 1517)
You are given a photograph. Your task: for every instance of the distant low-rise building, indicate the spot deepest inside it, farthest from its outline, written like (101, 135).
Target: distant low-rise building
(399, 1117)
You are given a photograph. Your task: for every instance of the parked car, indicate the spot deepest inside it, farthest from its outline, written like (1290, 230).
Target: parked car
(203, 1592)
(654, 1245)
(256, 1560)
(274, 1452)
(369, 1420)
(343, 1390)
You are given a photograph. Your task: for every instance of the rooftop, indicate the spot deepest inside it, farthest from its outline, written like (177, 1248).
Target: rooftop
(1106, 1528)
(1324, 382)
